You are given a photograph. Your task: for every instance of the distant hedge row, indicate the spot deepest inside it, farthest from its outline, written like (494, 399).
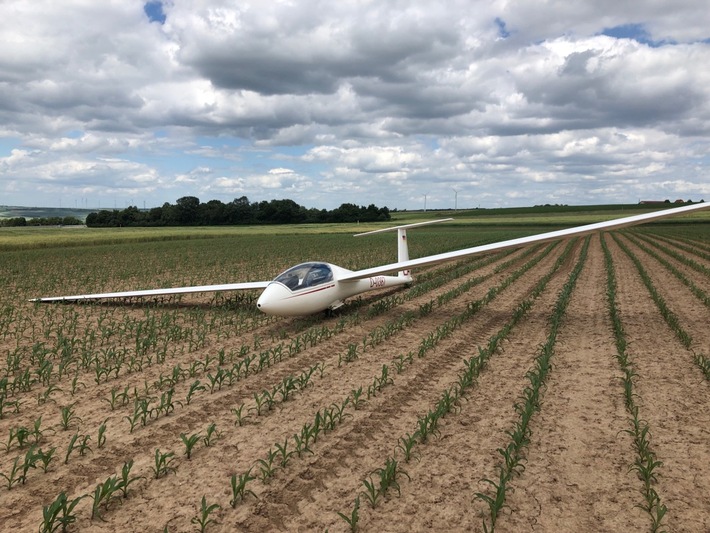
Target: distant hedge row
(48, 221)
(189, 211)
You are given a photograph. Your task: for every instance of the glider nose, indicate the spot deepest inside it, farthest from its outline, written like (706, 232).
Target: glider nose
(270, 300)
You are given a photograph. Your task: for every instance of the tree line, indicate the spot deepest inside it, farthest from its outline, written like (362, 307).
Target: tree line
(40, 221)
(189, 211)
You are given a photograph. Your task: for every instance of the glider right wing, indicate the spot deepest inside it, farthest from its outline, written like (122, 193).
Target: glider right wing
(512, 243)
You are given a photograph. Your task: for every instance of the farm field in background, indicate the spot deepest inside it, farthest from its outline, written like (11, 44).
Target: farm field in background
(557, 387)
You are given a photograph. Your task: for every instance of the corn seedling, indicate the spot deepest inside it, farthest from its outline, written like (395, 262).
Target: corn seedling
(495, 503)
(354, 517)
(59, 514)
(68, 417)
(337, 412)
(12, 478)
(283, 454)
(237, 411)
(389, 474)
(406, 446)
(133, 420)
(356, 395)
(101, 439)
(163, 462)
(269, 399)
(259, 402)
(193, 389)
(303, 380)
(45, 458)
(202, 520)
(126, 479)
(29, 462)
(217, 380)
(82, 446)
(103, 495)
(19, 434)
(301, 443)
(167, 404)
(239, 487)
(189, 442)
(371, 492)
(266, 466)
(211, 435)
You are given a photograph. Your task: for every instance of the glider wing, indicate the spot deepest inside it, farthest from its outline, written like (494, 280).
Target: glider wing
(512, 243)
(158, 292)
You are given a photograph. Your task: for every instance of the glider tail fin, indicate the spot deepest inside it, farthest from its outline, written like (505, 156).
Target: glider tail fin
(402, 251)
(402, 246)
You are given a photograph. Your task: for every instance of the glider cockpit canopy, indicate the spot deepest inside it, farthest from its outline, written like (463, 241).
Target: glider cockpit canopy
(305, 275)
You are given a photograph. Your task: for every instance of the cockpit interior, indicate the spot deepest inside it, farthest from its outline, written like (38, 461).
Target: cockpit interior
(306, 275)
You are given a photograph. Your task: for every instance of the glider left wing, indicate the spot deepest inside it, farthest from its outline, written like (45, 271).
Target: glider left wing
(158, 292)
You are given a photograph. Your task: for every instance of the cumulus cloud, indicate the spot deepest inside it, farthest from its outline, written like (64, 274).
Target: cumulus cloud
(509, 102)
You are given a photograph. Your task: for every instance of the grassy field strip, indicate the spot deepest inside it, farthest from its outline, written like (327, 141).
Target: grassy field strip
(674, 415)
(161, 402)
(449, 400)
(646, 464)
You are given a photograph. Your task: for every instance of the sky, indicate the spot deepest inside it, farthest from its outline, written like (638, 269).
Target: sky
(408, 104)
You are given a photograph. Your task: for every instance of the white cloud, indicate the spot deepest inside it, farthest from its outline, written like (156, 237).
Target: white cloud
(511, 101)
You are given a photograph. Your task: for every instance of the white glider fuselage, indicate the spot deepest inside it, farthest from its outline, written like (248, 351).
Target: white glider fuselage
(301, 297)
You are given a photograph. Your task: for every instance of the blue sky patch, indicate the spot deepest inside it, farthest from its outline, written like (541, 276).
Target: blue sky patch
(154, 10)
(636, 32)
(502, 30)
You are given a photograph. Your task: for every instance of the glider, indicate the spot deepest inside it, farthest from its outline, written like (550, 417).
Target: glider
(317, 286)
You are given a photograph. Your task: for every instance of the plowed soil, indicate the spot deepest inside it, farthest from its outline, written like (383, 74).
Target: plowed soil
(576, 474)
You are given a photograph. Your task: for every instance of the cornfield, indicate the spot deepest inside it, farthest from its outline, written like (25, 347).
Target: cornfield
(557, 387)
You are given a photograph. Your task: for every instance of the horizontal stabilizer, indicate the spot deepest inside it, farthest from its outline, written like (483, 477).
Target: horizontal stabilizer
(406, 226)
(158, 292)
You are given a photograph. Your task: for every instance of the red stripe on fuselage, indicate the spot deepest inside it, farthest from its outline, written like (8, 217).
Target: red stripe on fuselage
(311, 292)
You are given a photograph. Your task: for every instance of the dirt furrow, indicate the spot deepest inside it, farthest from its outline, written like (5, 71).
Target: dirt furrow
(673, 398)
(448, 469)
(576, 476)
(694, 317)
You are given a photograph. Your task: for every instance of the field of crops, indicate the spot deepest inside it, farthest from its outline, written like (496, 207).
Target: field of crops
(558, 387)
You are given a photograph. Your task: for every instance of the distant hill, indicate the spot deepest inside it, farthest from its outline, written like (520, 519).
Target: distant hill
(7, 211)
